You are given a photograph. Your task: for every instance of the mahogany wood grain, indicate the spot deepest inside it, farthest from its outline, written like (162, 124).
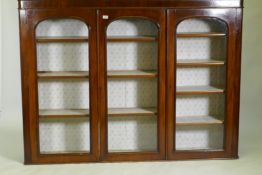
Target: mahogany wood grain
(237, 82)
(167, 15)
(134, 4)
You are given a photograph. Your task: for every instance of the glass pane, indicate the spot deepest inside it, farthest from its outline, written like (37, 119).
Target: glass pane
(63, 86)
(64, 136)
(132, 54)
(200, 80)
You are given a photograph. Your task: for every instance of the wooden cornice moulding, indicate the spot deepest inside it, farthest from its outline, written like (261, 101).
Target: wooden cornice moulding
(28, 4)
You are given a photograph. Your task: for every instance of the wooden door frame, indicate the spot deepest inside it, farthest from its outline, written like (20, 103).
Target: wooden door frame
(29, 19)
(229, 16)
(158, 17)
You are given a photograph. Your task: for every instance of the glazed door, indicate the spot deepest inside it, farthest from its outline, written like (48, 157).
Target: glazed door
(203, 84)
(132, 84)
(59, 52)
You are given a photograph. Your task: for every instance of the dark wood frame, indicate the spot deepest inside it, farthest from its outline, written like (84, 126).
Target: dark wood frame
(166, 14)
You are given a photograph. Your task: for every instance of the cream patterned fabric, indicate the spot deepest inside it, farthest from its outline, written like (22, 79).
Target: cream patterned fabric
(128, 133)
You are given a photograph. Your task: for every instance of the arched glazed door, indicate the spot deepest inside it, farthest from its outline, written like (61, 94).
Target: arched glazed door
(63, 89)
(132, 78)
(201, 104)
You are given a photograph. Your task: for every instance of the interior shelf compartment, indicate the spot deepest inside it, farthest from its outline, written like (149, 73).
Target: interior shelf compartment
(129, 134)
(83, 113)
(187, 90)
(62, 57)
(63, 94)
(200, 80)
(85, 74)
(200, 35)
(64, 135)
(199, 137)
(201, 105)
(55, 39)
(197, 120)
(199, 63)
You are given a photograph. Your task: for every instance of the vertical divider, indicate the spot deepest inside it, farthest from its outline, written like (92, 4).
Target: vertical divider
(98, 84)
(171, 88)
(102, 85)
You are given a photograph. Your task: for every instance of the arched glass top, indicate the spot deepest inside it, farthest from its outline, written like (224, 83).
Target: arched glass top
(62, 27)
(132, 27)
(197, 25)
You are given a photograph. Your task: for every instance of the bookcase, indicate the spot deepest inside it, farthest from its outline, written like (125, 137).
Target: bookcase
(155, 81)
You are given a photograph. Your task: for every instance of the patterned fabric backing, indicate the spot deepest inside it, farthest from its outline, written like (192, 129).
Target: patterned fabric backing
(134, 133)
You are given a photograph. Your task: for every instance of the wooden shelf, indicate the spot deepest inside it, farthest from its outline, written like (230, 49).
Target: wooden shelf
(132, 39)
(200, 35)
(197, 120)
(85, 74)
(131, 74)
(56, 39)
(132, 151)
(195, 90)
(63, 113)
(65, 152)
(199, 63)
(114, 112)
(69, 74)
(84, 113)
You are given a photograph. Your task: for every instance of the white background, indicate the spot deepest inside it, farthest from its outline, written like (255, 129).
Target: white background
(11, 93)
(1, 59)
